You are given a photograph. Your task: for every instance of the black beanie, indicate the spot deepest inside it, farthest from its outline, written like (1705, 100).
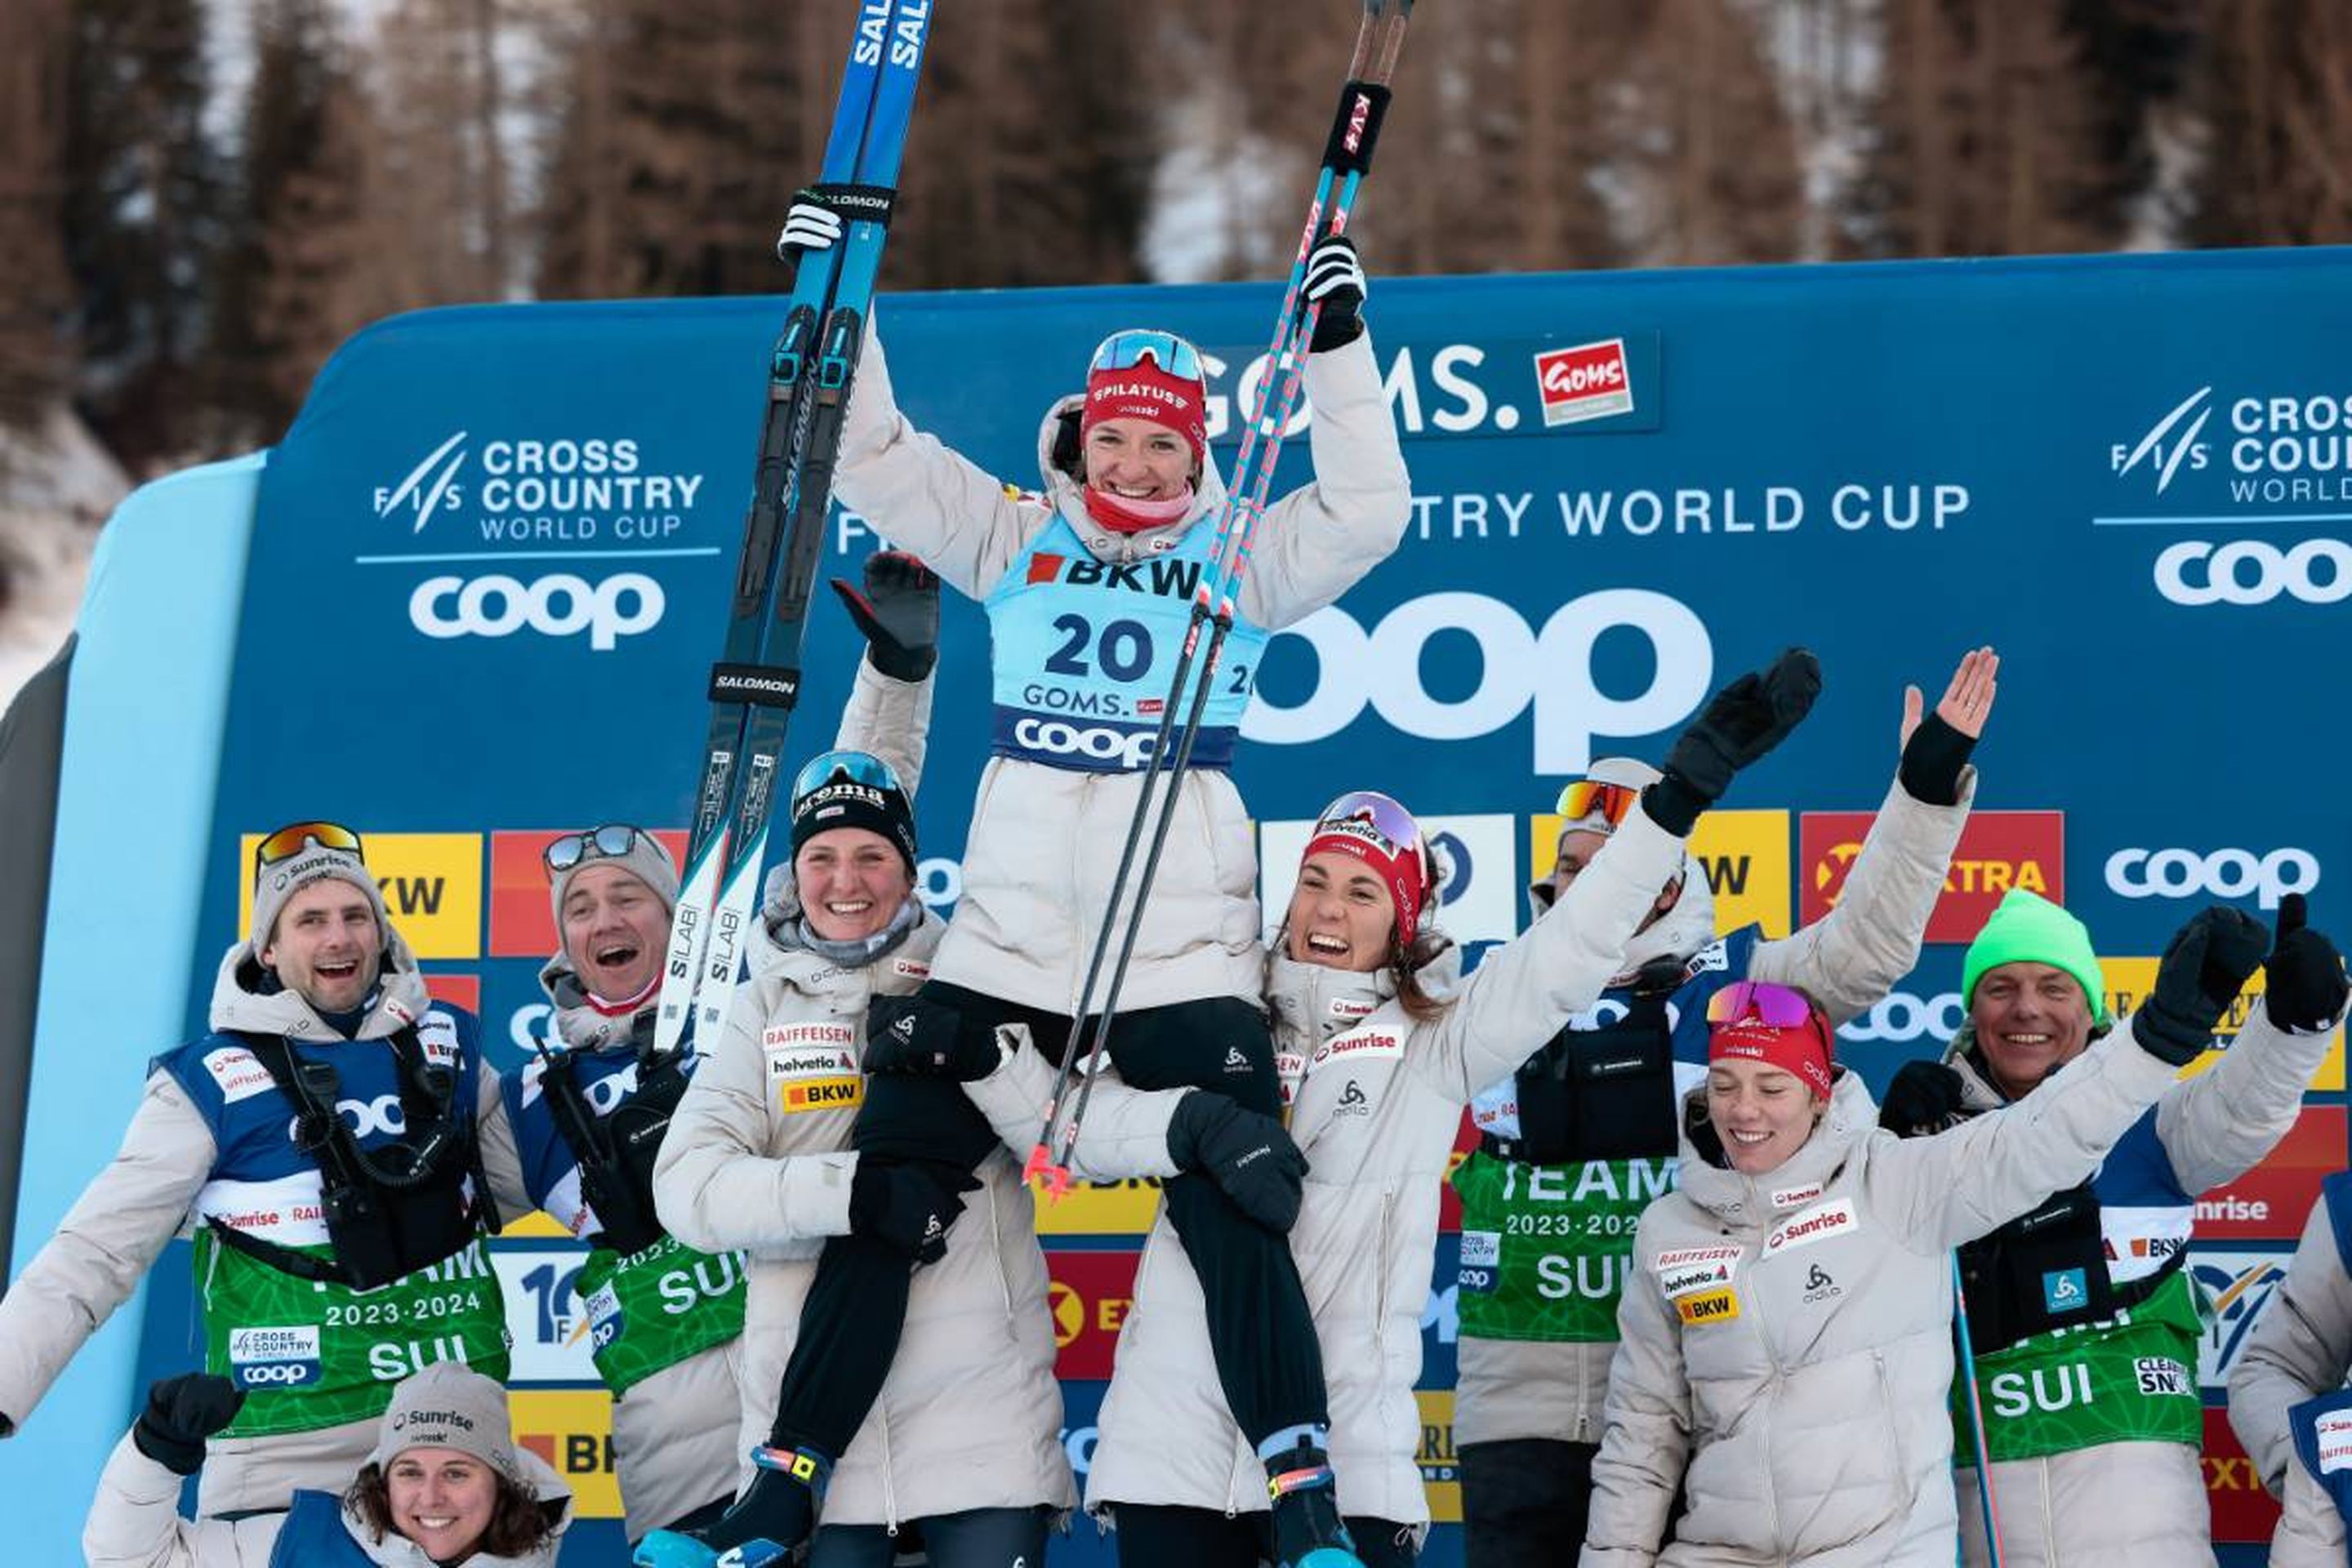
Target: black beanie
(841, 798)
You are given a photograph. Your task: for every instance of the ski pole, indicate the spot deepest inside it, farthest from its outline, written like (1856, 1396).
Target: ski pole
(1976, 1418)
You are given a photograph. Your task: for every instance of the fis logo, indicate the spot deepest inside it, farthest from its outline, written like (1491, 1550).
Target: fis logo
(2161, 449)
(428, 488)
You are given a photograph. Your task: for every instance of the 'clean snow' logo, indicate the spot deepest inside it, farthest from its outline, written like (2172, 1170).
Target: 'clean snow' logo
(2161, 449)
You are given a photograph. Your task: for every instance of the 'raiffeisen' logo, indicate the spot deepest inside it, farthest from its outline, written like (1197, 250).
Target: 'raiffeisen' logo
(583, 489)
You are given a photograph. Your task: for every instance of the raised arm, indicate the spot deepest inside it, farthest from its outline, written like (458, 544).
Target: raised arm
(2220, 1124)
(920, 494)
(134, 1519)
(889, 712)
(716, 1186)
(104, 1246)
(1854, 955)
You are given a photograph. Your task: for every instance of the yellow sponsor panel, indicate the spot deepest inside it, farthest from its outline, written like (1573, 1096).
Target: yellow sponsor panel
(1707, 1307)
(1748, 861)
(572, 1429)
(432, 886)
(1441, 1475)
(801, 1094)
(2130, 979)
(1112, 1208)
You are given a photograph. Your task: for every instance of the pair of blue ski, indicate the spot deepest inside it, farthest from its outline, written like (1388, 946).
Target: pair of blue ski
(757, 680)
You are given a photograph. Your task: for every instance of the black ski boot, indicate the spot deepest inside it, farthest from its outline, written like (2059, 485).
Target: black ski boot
(768, 1523)
(1307, 1530)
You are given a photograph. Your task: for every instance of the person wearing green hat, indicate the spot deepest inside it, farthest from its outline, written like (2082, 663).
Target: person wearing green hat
(2083, 1317)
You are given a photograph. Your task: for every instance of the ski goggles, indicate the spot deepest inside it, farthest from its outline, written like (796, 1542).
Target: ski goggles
(1587, 797)
(613, 841)
(294, 837)
(1125, 351)
(1352, 814)
(1775, 1007)
(852, 767)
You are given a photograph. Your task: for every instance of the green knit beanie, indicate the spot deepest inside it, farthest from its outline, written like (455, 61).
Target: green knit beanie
(2029, 928)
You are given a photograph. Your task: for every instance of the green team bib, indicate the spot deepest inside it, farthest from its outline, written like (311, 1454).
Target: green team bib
(1545, 1247)
(314, 1355)
(2128, 1378)
(653, 1309)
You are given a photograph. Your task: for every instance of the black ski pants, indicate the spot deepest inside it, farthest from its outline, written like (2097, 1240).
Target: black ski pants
(1268, 1361)
(1159, 1536)
(977, 1538)
(1524, 1501)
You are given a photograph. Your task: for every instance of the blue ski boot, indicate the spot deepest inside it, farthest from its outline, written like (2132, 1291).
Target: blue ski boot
(1307, 1530)
(768, 1525)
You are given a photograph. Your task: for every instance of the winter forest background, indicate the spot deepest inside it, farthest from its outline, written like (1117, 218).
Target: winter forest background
(199, 199)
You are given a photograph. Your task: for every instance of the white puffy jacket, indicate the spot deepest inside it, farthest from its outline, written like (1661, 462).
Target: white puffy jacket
(1785, 1340)
(146, 1195)
(1846, 961)
(1036, 884)
(1376, 1100)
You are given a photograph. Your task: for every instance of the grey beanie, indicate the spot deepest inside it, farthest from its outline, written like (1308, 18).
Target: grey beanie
(280, 880)
(648, 860)
(449, 1406)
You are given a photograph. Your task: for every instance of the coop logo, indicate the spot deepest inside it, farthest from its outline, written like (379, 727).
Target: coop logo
(1517, 666)
(1899, 1017)
(2170, 443)
(557, 605)
(2222, 874)
(2197, 572)
(274, 1358)
(1098, 747)
(1587, 382)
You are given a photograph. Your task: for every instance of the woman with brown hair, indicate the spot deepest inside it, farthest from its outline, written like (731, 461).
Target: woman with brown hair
(446, 1485)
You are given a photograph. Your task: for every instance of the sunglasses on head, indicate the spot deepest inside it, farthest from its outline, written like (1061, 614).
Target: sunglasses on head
(613, 841)
(1586, 798)
(1125, 351)
(291, 840)
(1776, 1006)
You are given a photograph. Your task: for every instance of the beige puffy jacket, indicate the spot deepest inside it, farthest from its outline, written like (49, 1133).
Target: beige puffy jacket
(1035, 881)
(1846, 961)
(147, 1195)
(1786, 1344)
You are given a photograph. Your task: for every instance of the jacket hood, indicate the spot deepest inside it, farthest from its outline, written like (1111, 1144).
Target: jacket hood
(1978, 1090)
(1852, 1118)
(555, 1499)
(1063, 489)
(247, 997)
(778, 952)
(1314, 998)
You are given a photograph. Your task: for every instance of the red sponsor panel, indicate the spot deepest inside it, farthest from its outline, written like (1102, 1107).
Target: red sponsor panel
(457, 990)
(2242, 1510)
(1088, 1295)
(1590, 381)
(522, 925)
(1999, 851)
(2271, 1202)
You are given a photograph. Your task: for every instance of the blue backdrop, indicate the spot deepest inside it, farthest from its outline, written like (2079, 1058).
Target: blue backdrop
(489, 563)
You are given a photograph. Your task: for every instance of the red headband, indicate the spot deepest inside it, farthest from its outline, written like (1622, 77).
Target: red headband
(1144, 391)
(1799, 1049)
(1400, 867)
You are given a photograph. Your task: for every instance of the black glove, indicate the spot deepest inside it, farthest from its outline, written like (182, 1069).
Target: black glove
(907, 1208)
(1247, 1155)
(2304, 984)
(1923, 1098)
(180, 1413)
(1932, 760)
(1336, 277)
(1740, 724)
(2205, 966)
(913, 1036)
(811, 223)
(899, 613)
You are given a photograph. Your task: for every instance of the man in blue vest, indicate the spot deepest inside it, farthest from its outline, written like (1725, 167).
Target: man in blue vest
(324, 1143)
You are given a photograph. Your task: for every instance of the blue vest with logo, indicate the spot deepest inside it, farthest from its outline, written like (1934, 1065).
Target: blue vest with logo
(252, 1124)
(2322, 1430)
(313, 1535)
(607, 1080)
(1084, 651)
